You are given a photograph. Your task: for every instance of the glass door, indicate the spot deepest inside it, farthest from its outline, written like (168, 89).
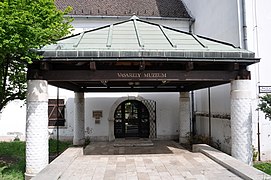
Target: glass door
(131, 120)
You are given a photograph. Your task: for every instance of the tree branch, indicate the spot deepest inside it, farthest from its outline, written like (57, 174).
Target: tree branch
(10, 98)
(5, 74)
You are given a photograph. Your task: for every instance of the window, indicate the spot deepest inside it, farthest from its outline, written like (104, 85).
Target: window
(56, 118)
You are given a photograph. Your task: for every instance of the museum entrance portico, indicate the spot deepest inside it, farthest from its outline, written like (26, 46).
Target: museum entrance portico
(134, 56)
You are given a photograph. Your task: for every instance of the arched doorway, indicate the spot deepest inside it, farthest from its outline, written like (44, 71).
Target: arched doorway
(131, 119)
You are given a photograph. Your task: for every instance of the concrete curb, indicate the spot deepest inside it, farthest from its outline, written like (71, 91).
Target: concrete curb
(237, 167)
(55, 169)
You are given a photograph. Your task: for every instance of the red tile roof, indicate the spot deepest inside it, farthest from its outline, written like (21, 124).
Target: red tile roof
(152, 8)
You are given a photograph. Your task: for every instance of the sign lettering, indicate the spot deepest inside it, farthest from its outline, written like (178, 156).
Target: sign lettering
(264, 89)
(129, 75)
(141, 75)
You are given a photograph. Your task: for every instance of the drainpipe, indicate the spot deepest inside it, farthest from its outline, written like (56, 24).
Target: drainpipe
(57, 121)
(210, 115)
(193, 119)
(244, 23)
(191, 22)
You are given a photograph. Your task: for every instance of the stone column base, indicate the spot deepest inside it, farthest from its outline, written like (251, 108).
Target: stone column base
(29, 176)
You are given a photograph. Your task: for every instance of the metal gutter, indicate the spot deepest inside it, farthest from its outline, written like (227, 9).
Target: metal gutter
(214, 55)
(127, 17)
(154, 59)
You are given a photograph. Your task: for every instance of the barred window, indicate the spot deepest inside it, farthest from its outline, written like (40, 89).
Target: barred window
(56, 118)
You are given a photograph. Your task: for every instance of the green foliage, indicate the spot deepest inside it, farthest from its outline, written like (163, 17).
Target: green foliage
(62, 146)
(25, 25)
(255, 153)
(265, 105)
(15, 148)
(12, 158)
(265, 167)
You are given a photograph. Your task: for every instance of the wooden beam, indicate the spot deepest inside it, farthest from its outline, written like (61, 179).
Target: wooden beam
(197, 86)
(66, 85)
(189, 66)
(141, 89)
(92, 66)
(142, 66)
(44, 66)
(136, 75)
(233, 66)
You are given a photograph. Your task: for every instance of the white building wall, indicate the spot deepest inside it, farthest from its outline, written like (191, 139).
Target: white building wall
(86, 23)
(259, 26)
(12, 121)
(222, 20)
(220, 105)
(215, 19)
(167, 111)
(167, 114)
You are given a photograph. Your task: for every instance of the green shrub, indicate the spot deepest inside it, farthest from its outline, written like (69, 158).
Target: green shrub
(265, 167)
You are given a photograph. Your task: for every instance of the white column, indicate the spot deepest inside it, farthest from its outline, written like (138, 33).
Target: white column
(79, 119)
(241, 121)
(36, 127)
(184, 117)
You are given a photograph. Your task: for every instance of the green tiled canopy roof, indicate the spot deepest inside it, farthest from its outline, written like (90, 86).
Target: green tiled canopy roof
(136, 38)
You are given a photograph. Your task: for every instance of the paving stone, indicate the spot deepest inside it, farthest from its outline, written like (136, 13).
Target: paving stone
(166, 160)
(155, 177)
(143, 176)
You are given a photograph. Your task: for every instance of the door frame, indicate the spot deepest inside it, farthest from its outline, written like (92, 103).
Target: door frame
(151, 109)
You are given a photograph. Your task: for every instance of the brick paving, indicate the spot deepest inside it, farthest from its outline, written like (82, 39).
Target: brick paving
(165, 160)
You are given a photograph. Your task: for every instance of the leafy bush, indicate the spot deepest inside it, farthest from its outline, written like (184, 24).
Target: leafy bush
(265, 105)
(265, 167)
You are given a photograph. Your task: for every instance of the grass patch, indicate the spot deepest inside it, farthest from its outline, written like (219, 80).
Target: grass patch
(265, 167)
(12, 158)
(63, 145)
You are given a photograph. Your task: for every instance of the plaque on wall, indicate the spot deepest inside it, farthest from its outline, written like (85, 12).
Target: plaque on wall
(264, 89)
(97, 114)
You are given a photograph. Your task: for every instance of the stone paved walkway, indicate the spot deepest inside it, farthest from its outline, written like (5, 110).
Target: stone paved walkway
(162, 161)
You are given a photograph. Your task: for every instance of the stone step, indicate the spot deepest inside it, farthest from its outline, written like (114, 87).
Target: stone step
(133, 143)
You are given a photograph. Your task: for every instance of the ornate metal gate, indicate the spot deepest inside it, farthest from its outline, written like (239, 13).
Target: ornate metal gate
(151, 106)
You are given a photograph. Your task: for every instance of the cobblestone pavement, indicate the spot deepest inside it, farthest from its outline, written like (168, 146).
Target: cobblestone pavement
(165, 160)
